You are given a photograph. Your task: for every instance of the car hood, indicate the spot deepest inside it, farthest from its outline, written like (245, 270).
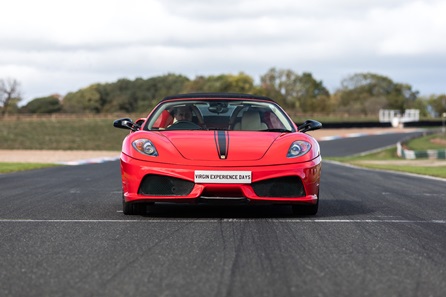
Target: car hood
(222, 145)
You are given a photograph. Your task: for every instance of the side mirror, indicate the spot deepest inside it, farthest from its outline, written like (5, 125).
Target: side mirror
(124, 123)
(309, 125)
(138, 123)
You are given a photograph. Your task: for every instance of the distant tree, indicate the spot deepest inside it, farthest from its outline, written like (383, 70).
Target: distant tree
(50, 104)
(152, 90)
(273, 84)
(239, 83)
(196, 85)
(401, 97)
(9, 94)
(229, 83)
(421, 104)
(365, 93)
(13, 107)
(438, 103)
(84, 100)
(139, 95)
(294, 91)
(312, 95)
(117, 96)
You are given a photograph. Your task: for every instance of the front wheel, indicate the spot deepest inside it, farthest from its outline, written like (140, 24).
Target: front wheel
(132, 208)
(306, 209)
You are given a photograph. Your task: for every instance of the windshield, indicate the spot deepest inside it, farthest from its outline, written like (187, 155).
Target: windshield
(236, 115)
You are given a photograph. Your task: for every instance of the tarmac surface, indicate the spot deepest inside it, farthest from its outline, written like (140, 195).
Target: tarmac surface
(376, 233)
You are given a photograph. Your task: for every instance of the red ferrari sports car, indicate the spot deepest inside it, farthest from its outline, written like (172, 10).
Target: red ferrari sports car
(219, 146)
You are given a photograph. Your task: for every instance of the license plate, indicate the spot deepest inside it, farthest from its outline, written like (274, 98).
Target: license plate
(222, 177)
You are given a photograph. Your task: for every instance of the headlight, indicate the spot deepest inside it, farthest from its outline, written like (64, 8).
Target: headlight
(145, 146)
(298, 148)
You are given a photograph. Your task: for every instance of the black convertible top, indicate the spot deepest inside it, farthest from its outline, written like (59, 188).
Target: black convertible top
(217, 95)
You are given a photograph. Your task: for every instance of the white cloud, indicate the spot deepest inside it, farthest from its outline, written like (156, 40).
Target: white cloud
(55, 46)
(412, 29)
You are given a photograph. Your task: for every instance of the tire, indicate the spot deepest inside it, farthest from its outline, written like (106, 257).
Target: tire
(306, 209)
(129, 208)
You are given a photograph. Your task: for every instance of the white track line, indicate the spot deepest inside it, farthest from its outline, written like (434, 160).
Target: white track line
(226, 221)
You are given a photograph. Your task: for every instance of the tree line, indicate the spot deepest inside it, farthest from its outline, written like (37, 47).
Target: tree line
(358, 94)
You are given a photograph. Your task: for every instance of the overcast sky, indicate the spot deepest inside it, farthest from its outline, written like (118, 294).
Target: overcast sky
(53, 46)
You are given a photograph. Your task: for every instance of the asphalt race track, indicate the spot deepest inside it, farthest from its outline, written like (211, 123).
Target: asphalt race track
(356, 145)
(376, 234)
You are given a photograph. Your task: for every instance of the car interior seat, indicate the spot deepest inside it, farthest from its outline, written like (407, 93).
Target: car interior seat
(250, 122)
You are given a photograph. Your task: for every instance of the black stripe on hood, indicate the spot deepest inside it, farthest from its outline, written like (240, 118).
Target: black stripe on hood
(222, 143)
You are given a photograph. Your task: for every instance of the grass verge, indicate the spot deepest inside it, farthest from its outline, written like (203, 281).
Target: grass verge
(61, 134)
(387, 159)
(14, 167)
(428, 142)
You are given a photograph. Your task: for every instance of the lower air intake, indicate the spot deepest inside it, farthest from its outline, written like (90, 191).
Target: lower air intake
(290, 186)
(159, 185)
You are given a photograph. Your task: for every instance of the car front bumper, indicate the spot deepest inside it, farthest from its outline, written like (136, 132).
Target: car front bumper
(289, 183)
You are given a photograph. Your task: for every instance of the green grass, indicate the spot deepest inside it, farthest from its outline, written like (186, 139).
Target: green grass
(57, 134)
(61, 134)
(428, 142)
(13, 167)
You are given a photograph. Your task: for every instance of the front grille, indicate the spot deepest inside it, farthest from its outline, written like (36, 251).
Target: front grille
(160, 185)
(289, 186)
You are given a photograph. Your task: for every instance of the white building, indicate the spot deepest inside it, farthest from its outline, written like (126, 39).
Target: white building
(395, 117)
